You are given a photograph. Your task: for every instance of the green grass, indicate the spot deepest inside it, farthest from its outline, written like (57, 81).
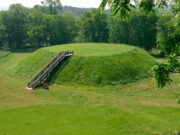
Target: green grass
(79, 119)
(92, 64)
(132, 109)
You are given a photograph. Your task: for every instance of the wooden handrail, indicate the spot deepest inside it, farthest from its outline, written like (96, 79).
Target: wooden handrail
(48, 68)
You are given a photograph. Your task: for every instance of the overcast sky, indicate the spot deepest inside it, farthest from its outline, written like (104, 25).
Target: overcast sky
(4, 4)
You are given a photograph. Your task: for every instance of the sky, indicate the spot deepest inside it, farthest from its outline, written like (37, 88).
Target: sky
(4, 4)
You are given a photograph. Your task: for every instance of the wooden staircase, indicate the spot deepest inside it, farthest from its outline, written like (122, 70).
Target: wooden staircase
(43, 74)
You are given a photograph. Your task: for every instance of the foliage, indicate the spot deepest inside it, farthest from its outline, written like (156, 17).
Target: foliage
(51, 29)
(178, 101)
(142, 30)
(2, 36)
(76, 10)
(139, 30)
(14, 25)
(53, 5)
(162, 71)
(118, 30)
(39, 28)
(168, 34)
(124, 7)
(21, 27)
(162, 75)
(41, 9)
(93, 25)
(169, 41)
(63, 29)
(36, 29)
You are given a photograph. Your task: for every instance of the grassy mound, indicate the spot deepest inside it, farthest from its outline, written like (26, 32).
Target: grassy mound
(92, 64)
(132, 109)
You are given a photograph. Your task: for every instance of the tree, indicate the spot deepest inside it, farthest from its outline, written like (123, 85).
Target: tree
(2, 31)
(42, 9)
(162, 71)
(139, 30)
(163, 32)
(142, 30)
(14, 21)
(53, 5)
(62, 29)
(124, 7)
(72, 26)
(45, 29)
(169, 43)
(94, 27)
(36, 31)
(118, 30)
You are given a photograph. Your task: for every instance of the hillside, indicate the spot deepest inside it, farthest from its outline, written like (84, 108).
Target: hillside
(92, 64)
(77, 11)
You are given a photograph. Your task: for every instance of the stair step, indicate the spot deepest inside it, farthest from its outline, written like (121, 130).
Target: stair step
(43, 74)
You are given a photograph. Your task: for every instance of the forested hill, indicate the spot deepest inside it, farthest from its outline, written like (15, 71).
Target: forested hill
(77, 11)
(22, 27)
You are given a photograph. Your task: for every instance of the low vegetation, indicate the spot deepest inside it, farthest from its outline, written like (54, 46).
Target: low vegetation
(92, 64)
(3, 53)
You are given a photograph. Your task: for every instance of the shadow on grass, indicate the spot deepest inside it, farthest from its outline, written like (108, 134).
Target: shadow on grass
(53, 75)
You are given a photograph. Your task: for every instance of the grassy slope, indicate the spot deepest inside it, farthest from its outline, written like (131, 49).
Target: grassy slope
(133, 109)
(92, 64)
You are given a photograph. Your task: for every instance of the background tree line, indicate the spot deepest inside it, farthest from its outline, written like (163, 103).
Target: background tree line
(21, 27)
(46, 25)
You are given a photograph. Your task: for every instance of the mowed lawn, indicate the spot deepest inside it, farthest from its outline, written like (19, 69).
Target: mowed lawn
(132, 109)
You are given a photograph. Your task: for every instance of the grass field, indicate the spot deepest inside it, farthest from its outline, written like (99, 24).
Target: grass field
(132, 109)
(92, 64)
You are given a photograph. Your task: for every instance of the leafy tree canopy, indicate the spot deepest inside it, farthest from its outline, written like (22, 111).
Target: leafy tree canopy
(169, 43)
(53, 5)
(94, 27)
(125, 6)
